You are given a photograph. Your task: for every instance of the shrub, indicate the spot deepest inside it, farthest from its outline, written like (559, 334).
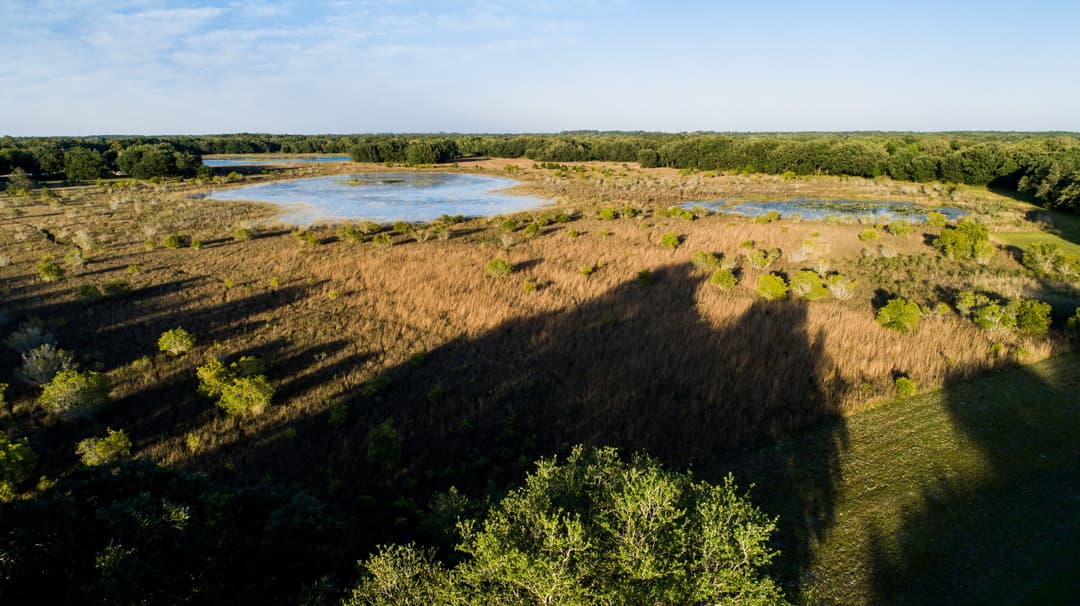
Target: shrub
(936, 219)
(239, 388)
(1042, 257)
(97, 451)
(968, 240)
(905, 387)
(770, 217)
(840, 287)
(1032, 317)
(608, 214)
(670, 240)
(762, 259)
(383, 240)
(868, 235)
(43, 362)
(724, 279)
(306, 237)
(705, 260)
(177, 240)
(645, 277)
(176, 341)
(74, 394)
(384, 445)
(967, 302)
(899, 315)
(528, 285)
(48, 269)
(241, 234)
(899, 227)
(113, 288)
(339, 413)
(29, 335)
(808, 285)
(772, 287)
(498, 268)
(246, 395)
(994, 317)
(17, 462)
(587, 270)
(1072, 326)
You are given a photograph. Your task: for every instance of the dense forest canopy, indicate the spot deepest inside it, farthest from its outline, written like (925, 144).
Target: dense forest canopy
(1045, 166)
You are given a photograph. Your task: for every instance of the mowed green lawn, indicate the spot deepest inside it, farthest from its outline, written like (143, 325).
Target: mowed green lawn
(966, 495)
(1065, 233)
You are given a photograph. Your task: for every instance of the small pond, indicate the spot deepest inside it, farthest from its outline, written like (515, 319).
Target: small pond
(256, 160)
(385, 197)
(826, 209)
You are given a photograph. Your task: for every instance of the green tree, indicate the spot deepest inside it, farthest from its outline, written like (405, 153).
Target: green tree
(17, 462)
(899, 315)
(83, 164)
(74, 394)
(98, 451)
(176, 341)
(594, 529)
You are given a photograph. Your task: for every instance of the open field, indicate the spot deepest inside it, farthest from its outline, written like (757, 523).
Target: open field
(963, 495)
(602, 333)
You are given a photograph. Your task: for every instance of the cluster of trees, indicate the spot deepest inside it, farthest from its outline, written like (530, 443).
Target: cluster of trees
(1045, 166)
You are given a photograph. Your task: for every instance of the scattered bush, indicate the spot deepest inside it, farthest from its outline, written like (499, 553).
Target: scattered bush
(384, 445)
(1047, 259)
(993, 317)
(498, 268)
(772, 287)
(868, 235)
(43, 362)
(97, 451)
(383, 240)
(29, 335)
(762, 259)
(175, 341)
(608, 214)
(1032, 317)
(899, 315)
(968, 240)
(239, 388)
(770, 217)
(808, 285)
(48, 269)
(705, 260)
(241, 234)
(17, 462)
(587, 270)
(840, 287)
(177, 240)
(905, 387)
(306, 237)
(724, 279)
(1072, 327)
(74, 394)
(899, 227)
(936, 219)
(670, 240)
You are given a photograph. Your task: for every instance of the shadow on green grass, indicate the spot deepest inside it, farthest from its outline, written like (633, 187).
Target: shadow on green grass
(1008, 536)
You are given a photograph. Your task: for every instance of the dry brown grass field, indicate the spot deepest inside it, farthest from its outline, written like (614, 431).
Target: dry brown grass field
(482, 374)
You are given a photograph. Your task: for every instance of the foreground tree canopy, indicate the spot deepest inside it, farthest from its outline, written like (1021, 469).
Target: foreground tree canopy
(593, 530)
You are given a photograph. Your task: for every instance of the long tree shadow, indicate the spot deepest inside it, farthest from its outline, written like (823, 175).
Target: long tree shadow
(639, 368)
(1009, 535)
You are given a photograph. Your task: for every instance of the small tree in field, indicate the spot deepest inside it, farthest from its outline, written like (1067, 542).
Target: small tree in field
(498, 268)
(239, 388)
(899, 315)
(176, 341)
(772, 287)
(97, 451)
(74, 394)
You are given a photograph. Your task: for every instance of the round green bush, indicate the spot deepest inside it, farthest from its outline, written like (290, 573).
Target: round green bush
(72, 393)
(498, 268)
(772, 287)
(899, 315)
(905, 387)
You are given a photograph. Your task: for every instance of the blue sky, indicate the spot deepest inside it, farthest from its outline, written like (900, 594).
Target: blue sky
(81, 67)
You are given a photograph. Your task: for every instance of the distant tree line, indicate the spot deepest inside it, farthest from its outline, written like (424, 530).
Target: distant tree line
(1043, 165)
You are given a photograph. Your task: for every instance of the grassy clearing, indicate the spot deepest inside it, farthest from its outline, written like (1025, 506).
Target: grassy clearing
(964, 495)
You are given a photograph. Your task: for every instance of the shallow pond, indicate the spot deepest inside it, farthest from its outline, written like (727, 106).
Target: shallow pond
(385, 197)
(828, 209)
(256, 160)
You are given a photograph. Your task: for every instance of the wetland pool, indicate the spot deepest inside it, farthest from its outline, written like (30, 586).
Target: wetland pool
(819, 210)
(385, 197)
(256, 160)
